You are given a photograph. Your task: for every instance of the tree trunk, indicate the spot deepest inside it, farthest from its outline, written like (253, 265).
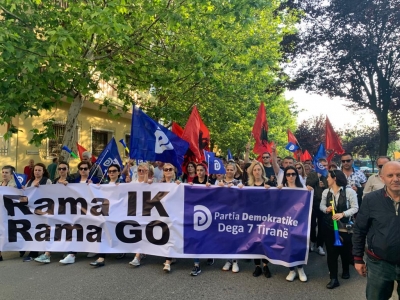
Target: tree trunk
(70, 134)
(383, 133)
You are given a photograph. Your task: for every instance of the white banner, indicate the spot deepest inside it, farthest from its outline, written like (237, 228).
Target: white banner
(127, 218)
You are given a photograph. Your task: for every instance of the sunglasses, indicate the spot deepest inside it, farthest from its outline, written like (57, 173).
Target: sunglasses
(298, 168)
(62, 169)
(83, 169)
(113, 171)
(290, 174)
(141, 171)
(346, 160)
(168, 169)
(265, 157)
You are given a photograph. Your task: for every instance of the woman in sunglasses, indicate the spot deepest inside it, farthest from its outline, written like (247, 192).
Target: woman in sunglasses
(257, 178)
(83, 170)
(302, 172)
(63, 178)
(345, 205)
(169, 177)
(114, 178)
(63, 174)
(291, 179)
(143, 174)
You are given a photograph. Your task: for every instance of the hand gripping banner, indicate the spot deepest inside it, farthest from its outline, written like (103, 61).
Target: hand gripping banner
(159, 219)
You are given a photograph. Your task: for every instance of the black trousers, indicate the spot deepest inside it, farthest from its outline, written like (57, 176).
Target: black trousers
(317, 222)
(333, 252)
(257, 261)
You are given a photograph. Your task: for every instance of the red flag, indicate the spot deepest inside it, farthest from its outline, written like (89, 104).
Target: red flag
(178, 130)
(81, 150)
(292, 139)
(332, 141)
(306, 156)
(260, 132)
(197, 135)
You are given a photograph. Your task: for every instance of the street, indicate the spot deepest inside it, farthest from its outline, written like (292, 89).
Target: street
(118, 280)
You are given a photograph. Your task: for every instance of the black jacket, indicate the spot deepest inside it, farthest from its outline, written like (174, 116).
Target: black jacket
(379, 221)
(313, 181)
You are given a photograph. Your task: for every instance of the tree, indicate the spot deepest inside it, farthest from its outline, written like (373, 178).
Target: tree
(350, 49)
(311, 133)
(364, 141)
(218, 55)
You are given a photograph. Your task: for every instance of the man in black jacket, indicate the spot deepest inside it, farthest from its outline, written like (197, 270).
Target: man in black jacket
(378, 221)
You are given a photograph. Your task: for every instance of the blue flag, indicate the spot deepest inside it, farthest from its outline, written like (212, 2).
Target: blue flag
(230, 157)
(291, 147)
(215, 165)
(109, 156)
(153, 142)
(321, 153)
(20, 179)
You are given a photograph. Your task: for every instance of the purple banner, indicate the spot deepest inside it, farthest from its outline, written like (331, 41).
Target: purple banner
(248, 222)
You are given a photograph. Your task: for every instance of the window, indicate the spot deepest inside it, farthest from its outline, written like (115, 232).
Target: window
(100, 139)
(3, 146)
(55, 144)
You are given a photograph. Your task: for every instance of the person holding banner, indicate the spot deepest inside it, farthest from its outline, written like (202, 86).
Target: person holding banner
(229, 179)
(7, 180)
(190, 173)
(63, 174)
(113, 177)
(84, 168)
(39, 176)
(168, 176)
(345, 205)
(95, 170)
(64, 178)
(257, 177)
(291, 179)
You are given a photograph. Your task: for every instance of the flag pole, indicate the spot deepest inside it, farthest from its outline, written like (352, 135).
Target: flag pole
(98, 165)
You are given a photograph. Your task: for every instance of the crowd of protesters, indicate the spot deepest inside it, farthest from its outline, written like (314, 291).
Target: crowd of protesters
(342, 190)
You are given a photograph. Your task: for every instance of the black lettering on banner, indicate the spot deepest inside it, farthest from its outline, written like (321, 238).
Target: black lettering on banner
(149, 203)
(43, 235)
(68, 232)
(73, 205)
(21, 227)
(132, 203)
(49, 206)
(102, 209)
(16, 201)
(150, 233)
(119, 231)
(94, 236)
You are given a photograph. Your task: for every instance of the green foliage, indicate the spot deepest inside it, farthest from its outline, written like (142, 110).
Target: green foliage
(220, 55)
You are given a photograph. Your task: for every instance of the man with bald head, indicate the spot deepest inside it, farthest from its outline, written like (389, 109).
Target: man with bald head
(378, 222)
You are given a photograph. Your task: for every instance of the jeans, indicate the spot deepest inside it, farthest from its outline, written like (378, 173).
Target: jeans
(380, 279)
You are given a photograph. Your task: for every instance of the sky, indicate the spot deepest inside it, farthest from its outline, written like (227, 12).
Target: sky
(311, 105)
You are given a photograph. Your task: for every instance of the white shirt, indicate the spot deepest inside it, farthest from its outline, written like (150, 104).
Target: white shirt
(352, 202)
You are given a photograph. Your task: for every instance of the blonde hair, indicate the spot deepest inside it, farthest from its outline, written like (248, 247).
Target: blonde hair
(303, 170)
(173, 176)
(250, 169)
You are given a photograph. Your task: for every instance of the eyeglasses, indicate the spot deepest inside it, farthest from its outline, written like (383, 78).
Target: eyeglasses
(380, 166)
(62, 169)
(112, 171)
(298, 168)
(168, 169)
(141, 171)
(346, 160)
(83, 169)
(265, 157)
(291, 174)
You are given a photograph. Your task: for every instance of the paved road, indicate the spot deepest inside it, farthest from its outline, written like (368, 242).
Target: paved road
(118, 280)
